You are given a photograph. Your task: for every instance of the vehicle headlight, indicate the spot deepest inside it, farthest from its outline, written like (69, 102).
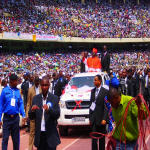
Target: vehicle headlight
(62, 104)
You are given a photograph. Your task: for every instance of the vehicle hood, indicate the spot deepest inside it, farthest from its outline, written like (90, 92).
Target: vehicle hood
(72, 93)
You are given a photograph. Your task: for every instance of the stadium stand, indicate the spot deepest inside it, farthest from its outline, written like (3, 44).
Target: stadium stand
(101, 20)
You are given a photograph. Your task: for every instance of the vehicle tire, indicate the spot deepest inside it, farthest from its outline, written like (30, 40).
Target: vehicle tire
(63, 131)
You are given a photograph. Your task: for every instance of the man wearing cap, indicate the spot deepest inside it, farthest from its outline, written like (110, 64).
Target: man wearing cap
(11, 105)
(94, 63)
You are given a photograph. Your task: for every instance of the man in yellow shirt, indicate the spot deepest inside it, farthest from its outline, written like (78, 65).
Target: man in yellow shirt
(126, 132)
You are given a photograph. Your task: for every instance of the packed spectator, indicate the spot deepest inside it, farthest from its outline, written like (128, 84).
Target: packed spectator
(39, 63)
(69, 63)
(74, 19)
(128, 59)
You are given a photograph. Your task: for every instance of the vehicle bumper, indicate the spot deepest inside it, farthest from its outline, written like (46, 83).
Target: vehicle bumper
(78, 117)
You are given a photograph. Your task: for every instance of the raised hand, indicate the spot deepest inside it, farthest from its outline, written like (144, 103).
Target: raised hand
(34, 107)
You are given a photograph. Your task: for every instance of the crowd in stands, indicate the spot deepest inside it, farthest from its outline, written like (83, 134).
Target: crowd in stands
(69, 63)
(127, 59)
(40, 63)
(74, 19)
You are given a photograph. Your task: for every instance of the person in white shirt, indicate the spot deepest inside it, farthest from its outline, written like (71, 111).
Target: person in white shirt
(45, 111)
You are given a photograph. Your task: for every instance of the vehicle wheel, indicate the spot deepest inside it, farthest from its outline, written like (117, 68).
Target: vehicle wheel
(63, 131)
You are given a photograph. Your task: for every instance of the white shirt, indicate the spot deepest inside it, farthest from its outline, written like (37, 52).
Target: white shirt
(43, 118)
(30, 85)
(93, 105)
(37, 90)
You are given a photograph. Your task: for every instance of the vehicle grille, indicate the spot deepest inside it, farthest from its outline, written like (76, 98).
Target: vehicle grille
(72, 104)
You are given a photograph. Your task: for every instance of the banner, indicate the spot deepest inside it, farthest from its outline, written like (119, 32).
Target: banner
(47, 37)
(25, 36)
(10, 35)
(17, 36)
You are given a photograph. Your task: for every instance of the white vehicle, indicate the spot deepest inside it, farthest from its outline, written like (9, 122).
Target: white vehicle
(75, 101)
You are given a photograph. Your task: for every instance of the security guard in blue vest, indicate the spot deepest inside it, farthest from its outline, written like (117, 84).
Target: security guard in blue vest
(11, 105)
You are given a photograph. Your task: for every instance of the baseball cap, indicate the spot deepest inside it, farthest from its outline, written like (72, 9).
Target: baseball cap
(13, 77)
(94, 50)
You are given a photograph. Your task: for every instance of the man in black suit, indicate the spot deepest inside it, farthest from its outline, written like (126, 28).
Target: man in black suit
(131, 84)
(98, 112)
(24, 88)
(147, 88)
(54, 82)
(45, 111)
(60, 85)
(105, 60)
(28, 82)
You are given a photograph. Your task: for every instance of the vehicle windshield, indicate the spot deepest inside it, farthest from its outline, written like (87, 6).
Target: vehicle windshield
(82, 81)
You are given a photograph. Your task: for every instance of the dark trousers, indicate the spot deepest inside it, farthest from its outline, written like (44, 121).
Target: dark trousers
(43, 143)
(101, 141)
(127, 146)
(11, 127)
